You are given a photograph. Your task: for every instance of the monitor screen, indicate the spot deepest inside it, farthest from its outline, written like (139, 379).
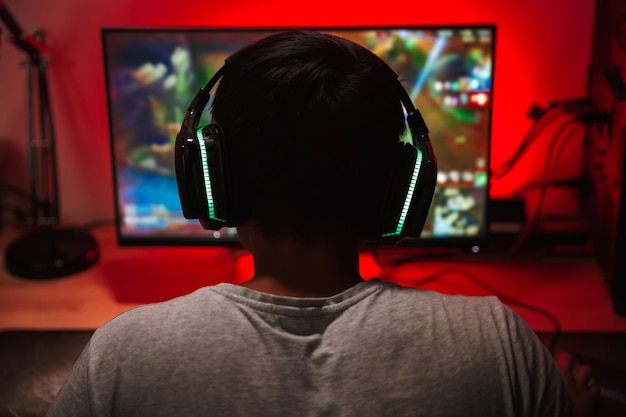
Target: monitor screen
(152, 75)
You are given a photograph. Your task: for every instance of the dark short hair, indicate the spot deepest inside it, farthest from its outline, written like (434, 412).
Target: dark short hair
(311, 122)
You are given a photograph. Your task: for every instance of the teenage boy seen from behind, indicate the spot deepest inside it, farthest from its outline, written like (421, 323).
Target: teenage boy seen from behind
(309, 128)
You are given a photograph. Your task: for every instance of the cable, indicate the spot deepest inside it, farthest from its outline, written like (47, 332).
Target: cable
(548, 173)
(529, 138)
(421, 253)
(566, 182)
(543, 118)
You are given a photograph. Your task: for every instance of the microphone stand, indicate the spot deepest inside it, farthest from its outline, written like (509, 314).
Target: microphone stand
(49, 251)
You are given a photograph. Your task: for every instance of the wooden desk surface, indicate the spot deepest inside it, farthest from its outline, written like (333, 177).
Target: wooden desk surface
(570, 288)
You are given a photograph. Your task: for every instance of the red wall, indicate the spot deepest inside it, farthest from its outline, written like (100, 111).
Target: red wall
(542, 54)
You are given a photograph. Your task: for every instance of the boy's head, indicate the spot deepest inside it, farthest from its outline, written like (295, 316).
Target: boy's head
(310, 125)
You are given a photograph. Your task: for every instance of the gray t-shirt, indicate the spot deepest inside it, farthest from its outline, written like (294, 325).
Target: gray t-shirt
(377, 349)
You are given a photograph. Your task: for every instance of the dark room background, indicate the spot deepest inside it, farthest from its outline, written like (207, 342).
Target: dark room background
(542, 55)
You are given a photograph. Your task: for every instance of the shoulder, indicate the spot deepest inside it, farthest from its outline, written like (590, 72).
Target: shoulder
(478, 320)
(150, 321)
(432, 302)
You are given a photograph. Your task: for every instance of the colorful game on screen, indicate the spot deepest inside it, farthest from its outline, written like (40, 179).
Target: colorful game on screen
(153, 74)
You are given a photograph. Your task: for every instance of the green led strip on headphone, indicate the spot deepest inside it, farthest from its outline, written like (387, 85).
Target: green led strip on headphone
(409, 196)
(206, 175)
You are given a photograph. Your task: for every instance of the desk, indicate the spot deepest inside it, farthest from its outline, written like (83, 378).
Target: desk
(45, 324)
(570, 288)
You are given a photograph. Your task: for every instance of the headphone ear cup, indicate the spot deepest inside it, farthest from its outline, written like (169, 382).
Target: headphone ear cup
(188, 173)
(409, 195)
(201, 168)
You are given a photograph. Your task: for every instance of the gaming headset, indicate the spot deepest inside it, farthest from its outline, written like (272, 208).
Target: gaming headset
(204, 180)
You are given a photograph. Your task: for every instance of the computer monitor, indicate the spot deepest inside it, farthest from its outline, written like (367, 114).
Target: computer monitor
(152, 75)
